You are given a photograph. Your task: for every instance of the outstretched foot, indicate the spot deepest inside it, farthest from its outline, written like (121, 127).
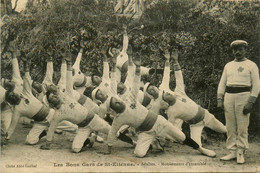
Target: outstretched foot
(99, 139)
(207, 152)
(232, 155)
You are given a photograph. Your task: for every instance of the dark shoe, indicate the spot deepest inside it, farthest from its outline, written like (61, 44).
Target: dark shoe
(44, 133)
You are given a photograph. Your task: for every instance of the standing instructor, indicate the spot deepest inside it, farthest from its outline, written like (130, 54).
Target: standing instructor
(238, 88)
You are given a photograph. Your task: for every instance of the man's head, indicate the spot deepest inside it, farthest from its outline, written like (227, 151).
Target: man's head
(53, 99)
(239, 49)
(117, 105)
(96, 80)
(37, 86)
(8, 84)
(152, 90)
(35, 93)
(12, 98)
(115, 51)
(52, 89)
(100, 95)
(78, 77)
(169, 97)
(121, 88)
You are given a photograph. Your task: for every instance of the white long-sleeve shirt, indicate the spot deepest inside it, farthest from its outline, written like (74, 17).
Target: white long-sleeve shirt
(62, 84)
(133, 115)
(108, 85)
(28, 106)
(184, 108)
(70, 110)
(123, 57)
(166, 77)
(240, 74)
(63, 71)
(111, 90)
(129, 83)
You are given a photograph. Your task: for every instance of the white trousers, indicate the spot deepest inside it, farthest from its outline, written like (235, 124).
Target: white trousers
(38, 127)
(97, 124)
(161, 128)
(67, 126)
(209, 121)
(237, 123)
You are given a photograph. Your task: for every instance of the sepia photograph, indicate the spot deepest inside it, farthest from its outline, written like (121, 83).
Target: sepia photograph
(130, 86)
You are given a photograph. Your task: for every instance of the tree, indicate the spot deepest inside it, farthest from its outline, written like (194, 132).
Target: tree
(6, 7)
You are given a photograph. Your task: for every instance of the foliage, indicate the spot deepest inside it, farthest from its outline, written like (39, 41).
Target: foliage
(201, 29)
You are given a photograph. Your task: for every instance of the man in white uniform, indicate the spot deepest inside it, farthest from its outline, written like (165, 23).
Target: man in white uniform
(26, 104)
(239, 88)
(16, 85)
(182, 107)
(108, 87)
